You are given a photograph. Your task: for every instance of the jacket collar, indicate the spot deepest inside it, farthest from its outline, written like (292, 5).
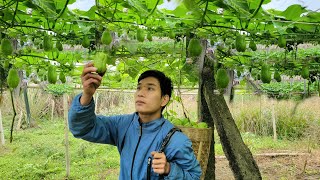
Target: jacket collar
(151, 126)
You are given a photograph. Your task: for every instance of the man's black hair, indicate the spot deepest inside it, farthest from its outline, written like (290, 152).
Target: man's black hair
(165, 82)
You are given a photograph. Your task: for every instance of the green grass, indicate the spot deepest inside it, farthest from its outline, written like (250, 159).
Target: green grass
(263, 144)
(39, 153)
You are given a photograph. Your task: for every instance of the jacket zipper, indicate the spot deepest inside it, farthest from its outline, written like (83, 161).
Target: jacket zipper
(149, 168)
(135, 151)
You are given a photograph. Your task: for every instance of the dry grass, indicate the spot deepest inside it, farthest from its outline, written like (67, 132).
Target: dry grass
(40, 104)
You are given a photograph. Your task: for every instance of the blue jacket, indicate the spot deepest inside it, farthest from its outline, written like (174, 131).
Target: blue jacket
(135, 142)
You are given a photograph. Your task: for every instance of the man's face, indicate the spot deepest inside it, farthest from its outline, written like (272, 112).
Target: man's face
(148, 99)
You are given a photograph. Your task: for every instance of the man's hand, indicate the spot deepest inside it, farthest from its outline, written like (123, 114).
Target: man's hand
(90, 82)
(160, 164)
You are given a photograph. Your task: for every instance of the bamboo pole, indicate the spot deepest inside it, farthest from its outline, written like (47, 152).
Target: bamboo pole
(66, 132)
(1, 131)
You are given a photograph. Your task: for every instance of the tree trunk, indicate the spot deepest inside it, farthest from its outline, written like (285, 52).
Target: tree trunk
(240, 158)
(206, 117)
(204, 114)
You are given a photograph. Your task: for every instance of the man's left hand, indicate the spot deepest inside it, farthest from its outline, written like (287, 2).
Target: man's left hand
(159, 163)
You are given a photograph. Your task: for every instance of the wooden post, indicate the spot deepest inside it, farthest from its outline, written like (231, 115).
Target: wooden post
(96, 102)
(304, 86)
(26, 101)
(260, 108)
(1, 130)
(66, 132)
(19, 121)
(274, 126)
(242, 100)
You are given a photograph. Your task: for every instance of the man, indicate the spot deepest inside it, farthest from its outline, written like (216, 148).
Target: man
(138, 136)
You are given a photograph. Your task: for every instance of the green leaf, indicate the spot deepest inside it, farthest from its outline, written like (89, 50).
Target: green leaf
(241, 6)
(178, 11)
(140, 7)
(86, 26)
(91, 13)
(60, 3)
(131, 46)
(8, 15)
(293, 12)
(48, 6)
(306, 27)
(133, 72)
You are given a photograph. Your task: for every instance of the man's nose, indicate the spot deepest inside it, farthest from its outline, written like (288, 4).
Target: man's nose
(141, 93)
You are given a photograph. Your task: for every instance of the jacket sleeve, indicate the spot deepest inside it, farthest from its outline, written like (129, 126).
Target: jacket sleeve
(183, 163)
(84, 124)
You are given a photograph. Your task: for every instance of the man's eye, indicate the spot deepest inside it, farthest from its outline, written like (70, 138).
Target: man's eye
(150, 89)
(138, 88)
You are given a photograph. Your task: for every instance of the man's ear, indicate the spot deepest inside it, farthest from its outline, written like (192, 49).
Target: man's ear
(165, 100)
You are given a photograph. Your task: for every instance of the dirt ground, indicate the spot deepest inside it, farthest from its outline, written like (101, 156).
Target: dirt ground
(278, 165)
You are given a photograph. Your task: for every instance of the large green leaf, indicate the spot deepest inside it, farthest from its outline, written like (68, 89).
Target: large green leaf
(293, 12)
(311, 17)
(48, 6)
(240, 6)
(139, 7)
(179, 11)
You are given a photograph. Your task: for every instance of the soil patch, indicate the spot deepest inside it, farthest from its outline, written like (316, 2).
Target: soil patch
(289, 165)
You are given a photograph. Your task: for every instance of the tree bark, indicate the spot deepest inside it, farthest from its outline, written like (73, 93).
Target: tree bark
(240, 158)
(206, 117)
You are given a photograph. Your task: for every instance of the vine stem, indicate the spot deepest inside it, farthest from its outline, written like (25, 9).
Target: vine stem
(115, 9)
(14, 114)
(152, 11)
(35, 56)
(204, 13)
(258, 8)
(60, 13)
(180, 94)
(6, 5)
(14, 14)
(64, 8)
(255, 13)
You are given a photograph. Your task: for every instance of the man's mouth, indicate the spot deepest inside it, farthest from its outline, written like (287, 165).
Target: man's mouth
(140, 102)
